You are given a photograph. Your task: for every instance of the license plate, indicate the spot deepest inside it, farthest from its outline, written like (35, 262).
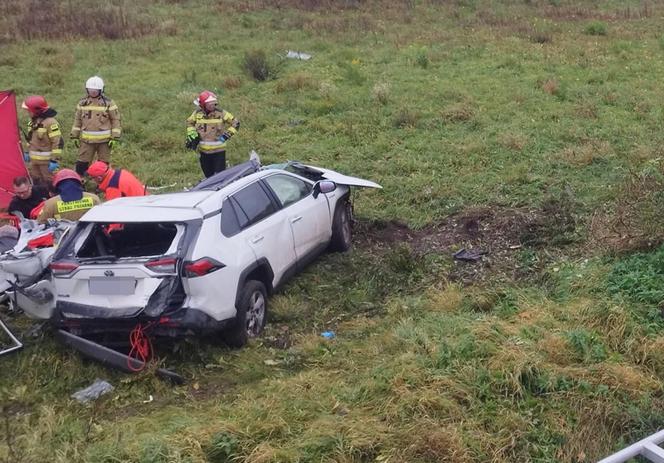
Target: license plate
(112, 286)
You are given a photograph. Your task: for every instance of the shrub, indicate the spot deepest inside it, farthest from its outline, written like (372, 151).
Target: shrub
(460, 112)
(596, 28)
(422, 59)
(406, 118)
(223, 448)
(258, 66)
(381, 93)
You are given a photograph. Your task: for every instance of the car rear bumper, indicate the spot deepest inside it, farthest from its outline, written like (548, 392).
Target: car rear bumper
(80, 319)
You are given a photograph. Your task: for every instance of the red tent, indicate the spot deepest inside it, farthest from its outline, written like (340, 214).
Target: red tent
(11, 152)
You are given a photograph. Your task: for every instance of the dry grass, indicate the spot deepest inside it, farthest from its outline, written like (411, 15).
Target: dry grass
(458, 112)
(30, 20)
(232, 83)
(588, 152)
(447, 299)
(513, 141)
(550, 86)
(296, 82)
(381, 93)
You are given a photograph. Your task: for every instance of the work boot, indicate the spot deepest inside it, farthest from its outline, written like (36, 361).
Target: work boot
(82, 167)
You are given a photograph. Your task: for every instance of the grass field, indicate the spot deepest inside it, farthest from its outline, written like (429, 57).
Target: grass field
(531, 129)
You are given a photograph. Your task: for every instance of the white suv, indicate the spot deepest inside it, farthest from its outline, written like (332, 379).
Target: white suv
(202, 261)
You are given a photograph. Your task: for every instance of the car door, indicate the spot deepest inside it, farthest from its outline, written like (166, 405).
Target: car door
(265, 228)
(309, 217)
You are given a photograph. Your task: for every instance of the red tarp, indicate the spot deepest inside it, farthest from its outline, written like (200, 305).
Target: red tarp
(11, 153)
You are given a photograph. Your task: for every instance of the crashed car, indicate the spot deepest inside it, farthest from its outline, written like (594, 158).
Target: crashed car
(202, 261)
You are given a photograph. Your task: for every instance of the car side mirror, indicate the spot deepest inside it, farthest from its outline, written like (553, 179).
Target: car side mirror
(324, 186)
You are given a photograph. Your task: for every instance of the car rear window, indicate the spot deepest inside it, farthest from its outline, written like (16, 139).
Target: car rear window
(128, 239)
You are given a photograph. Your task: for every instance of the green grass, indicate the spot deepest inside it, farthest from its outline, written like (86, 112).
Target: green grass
(528, 105)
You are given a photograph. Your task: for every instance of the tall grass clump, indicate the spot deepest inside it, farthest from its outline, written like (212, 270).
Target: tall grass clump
(596, 28)
(258, 66)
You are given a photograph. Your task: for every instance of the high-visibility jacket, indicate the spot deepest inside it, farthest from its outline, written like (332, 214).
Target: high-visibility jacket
(118, 183)
(97, 120)
(210, 126)
(44, 137)
(56, 208)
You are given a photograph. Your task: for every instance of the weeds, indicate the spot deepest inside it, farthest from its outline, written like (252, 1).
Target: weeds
(258, 66)
(381, 93)
(406, 118)
(596, 28)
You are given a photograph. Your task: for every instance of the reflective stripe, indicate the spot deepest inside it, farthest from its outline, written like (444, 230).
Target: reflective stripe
(54, 133)
(78, 205)
(57, 151)
(40, 155)
(96, 108)
(209, 121)
(191, 130)
(113, 108)
(210, 146)
(41, 130)
(116, 130)
(75, 128)
(96, 135)
(232, 130)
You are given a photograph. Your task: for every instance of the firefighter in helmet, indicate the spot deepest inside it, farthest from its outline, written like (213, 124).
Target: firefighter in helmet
(208, 129)
(71, 202)
(44, 138)
(96, 127)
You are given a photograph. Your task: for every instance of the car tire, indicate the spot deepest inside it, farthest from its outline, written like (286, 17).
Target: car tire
(251, 315)
(342, 233)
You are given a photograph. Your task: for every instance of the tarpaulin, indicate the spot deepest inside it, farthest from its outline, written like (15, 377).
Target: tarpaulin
(11, 152)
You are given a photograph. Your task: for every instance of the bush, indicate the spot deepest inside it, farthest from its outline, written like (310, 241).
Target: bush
(406, 118)
(381, 93)
(258, 66)
(422, 59)
(596, 28)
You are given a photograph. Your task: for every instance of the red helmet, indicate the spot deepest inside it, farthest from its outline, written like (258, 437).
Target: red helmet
(65, 174)
(35, 104)
(98, 169)
(206, 96)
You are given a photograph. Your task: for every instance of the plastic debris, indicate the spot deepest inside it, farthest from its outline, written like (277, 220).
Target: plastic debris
(298, 55)
(150, 399)
(469, 256)
(328, 334)
(272, 363)
(93, 391)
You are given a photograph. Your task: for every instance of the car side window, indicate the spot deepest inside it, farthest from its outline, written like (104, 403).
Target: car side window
(288, 189)
(229, 221)
(254, 204)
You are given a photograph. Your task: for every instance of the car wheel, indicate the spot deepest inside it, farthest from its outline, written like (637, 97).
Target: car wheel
(251, 315)
(342, 234)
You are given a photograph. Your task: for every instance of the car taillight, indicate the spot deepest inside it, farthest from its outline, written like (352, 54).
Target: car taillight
(166, 265)
(62, 268)
(201, 267)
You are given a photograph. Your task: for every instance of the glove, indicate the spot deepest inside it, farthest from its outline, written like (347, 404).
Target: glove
(192, 143)
(192, 135)
(26, 156)
(76, 142)
(224, 136)
(53, 165)
(112, 144)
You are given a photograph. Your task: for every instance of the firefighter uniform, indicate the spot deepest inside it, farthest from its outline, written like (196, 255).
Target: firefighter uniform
(44, 143)
(56, 208)
(213, 129)
(118, 183)
(96, 123)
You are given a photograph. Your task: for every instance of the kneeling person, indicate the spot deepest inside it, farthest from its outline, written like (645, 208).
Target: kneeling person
(71, 202)
(115, 183)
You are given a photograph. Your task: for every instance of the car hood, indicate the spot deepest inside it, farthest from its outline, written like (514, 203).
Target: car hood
(315, 173)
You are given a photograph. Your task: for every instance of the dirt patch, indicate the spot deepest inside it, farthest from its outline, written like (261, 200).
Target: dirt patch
(507, 235)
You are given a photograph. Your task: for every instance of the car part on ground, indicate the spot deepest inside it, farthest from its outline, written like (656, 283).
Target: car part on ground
(16, 344)
(112, 357)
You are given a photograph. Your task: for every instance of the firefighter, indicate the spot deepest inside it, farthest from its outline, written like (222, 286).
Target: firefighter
(44, 138)
(115, 183)
(71, 202)
(208, 130)
(96, 127)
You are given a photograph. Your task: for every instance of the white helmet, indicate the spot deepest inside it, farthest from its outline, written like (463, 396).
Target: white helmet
(95, 83)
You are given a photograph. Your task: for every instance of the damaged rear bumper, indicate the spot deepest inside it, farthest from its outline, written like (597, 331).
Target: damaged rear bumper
(110, 357)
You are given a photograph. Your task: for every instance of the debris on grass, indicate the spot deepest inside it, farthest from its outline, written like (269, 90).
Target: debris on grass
(93, 391)
(298, 55)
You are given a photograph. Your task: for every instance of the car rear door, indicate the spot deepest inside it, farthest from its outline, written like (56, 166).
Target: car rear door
(265, 227)
(308, 217)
